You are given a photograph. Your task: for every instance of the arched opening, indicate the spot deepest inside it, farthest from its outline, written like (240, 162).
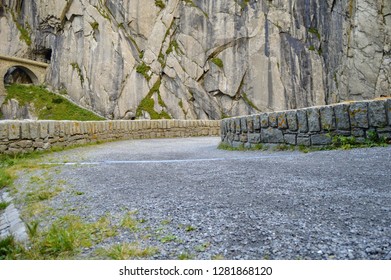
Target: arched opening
(20, 75)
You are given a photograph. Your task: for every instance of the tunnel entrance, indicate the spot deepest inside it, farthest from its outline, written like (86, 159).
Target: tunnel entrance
(19, 75)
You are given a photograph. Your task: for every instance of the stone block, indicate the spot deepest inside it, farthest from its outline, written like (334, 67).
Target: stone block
(302, 121)
(358, 132)
(377, 113)
(254, 138)
(237, 144)
(237, 126)
(34, 130)
(13, 130)
(290, 139)
(273, 119)
(272, 135)
(321, 139)
(25, 130)
(358, 113)
(327, 118)
(243, 124)
(232, 125)
(342, 116)
(264, 120)
(292, 120)
(250, 124)
(282, 120)
(3, 130)
(388, 108)
(257, 123)
(313, 117)
(243, 138)
(303, 141)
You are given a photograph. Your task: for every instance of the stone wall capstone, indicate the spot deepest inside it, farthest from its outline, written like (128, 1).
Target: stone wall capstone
(28, 136)
(314, 126)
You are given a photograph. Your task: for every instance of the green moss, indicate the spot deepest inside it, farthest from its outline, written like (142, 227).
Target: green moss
(242, 3)
(192, 4)
(75, 66)
(94, 25)
(174, 46)
(160, 4)
(314, 31)
(144, 69)
(218, 62)
(25, 32)
(249, 102)
(47, 105)
(148, 104)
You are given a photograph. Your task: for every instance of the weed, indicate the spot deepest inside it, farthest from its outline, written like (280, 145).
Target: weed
(5, 178)
(129, 222)
(165, 222)
(185, 256)
(32, 229)
(190, 228)
(4, 205)
(127, 251)
(168, 238)
(9, 248)
(202, 247)
(218, 257)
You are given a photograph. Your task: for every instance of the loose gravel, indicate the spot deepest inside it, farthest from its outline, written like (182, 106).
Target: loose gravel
(196, 201)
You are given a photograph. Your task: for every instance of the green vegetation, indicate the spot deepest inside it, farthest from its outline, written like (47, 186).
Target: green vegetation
(148, 104)
(249, 102)
(218, 62)
(227, 147)
(314, 31)
(160, 4)
(94, 25)
(144, 69)
(3, 205)
(174, 46)
(25, 32)
(47, 105)
(242, 3)
(127, 251)
(76, 67)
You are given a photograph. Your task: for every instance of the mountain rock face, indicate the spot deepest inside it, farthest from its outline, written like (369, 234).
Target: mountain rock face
(203, 59)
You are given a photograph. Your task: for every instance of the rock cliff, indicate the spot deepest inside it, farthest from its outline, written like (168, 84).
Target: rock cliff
(203, 59)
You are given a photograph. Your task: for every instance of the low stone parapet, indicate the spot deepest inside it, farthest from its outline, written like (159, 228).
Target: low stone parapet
(28, 136)
(314, 126)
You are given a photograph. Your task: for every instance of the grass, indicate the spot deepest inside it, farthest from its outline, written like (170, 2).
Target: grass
(127, 251)
(3, 205)
(47, 105)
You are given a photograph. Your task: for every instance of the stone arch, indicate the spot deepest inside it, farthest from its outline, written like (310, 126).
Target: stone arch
(20, 75)
(33, 70)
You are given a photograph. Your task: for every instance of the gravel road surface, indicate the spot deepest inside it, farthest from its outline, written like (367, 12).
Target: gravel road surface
(200, 202)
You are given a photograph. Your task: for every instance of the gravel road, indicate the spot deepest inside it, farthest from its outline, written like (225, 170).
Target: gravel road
(201, 202)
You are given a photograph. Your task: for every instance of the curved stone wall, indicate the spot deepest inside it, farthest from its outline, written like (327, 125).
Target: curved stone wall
(28, 136)
(312, 126)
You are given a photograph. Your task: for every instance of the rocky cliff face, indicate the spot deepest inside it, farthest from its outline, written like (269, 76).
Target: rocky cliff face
(204, 59)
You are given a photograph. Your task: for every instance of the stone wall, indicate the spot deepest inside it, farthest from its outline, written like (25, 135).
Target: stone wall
(28, 136)
(314, 126)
